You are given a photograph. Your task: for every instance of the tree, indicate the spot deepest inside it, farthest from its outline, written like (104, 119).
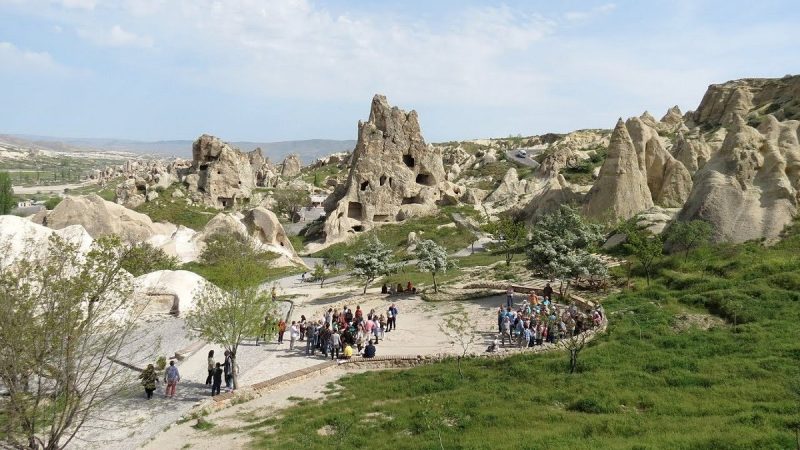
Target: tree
(320, 273)
(461, 332)
(7, 202)
(143, 258)
(687, 236)
(646, 247)
(66, 315)
(511, 235)
(290, 201)
(432, 258)
(560, 248)
(373, 262)
(226, 317)
(574, 344)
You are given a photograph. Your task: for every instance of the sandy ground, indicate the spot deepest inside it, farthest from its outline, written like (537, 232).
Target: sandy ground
(133, 421)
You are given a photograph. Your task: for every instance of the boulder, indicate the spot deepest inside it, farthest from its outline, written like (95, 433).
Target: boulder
(103, 218)
(265, 227)
(393, 174)
(168, 291)
(621, 189)
(20, 239)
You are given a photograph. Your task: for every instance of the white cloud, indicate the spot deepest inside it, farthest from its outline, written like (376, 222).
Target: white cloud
(12, 58)
(116, 36)
(578, 16)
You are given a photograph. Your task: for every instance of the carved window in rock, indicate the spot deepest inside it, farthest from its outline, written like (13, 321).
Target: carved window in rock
(355, 210)
(408, 160)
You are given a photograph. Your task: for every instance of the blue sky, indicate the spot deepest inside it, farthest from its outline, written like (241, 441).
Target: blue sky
(301, 69)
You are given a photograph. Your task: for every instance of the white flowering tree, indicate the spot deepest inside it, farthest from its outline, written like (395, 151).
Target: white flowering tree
(432, 258)
(376, 260)
(560, 247)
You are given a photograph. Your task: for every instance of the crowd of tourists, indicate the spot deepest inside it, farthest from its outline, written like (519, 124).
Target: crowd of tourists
(341, 334)
(537, 320)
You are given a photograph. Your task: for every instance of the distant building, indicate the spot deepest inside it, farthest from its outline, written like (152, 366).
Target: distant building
(317, 200)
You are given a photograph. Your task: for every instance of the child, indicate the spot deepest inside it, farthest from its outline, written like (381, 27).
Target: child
(217, 380)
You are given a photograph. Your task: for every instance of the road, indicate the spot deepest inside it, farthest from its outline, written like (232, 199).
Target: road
(511, 155)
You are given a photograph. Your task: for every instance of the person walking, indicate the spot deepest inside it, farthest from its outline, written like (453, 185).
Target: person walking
(510, 296)
(217, 380)
(294, 333)
(548, 292)
(210, 367)
(149, 380)
(171, 377)
(281, 330)
(506, 334)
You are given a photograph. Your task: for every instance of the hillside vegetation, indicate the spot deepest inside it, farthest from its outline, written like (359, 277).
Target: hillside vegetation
(706, 357)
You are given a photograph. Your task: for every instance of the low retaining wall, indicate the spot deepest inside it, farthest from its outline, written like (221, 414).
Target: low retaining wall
(580, 301)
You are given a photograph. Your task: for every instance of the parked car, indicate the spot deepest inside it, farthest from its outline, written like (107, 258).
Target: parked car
(522, 154)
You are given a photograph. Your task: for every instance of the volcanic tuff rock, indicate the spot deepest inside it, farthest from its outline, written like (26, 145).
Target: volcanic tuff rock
(673, 116)
(393, 174)
(291, 166)
(748, 190)
(692, 150)
(667, 179)
(103, 218)
(21, 239)
(621, 189)
(224, 174)
(722, 102)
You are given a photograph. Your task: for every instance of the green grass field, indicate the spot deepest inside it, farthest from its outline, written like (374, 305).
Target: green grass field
(176, 211)
(647, 383)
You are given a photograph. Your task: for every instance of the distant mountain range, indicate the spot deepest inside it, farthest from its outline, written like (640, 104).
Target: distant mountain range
(308, 150)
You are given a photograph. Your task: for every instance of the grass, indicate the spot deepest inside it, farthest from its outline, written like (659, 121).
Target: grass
(320, 174)
(177, 211)
(643, 384)
(396, 236)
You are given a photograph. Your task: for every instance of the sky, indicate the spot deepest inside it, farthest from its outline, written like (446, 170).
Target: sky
(302, 69)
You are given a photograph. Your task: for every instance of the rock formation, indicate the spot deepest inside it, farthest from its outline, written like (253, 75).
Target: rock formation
(673, 116)
(667, 179)
(692, 151)
(722, 102)
(103, 218)
(393, 174)
(748, 190)
(21, 239)
(224, 177)
(167, 291)
(291, 166)
(621, 189)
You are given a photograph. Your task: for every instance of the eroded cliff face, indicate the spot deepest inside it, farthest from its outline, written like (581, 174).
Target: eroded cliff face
(222, 175)
(750, 98)
(393, 174)
(749, 189)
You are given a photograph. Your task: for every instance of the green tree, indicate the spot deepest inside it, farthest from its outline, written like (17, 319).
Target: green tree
(228, 316)
(7, 202)
(320, 273)
(432, 258)
(646, 247)
(461, 331)
(686, 236)
(560, 248)
(52, 202)
(511, 235)
(143, 258)
(66, 315)
(373, 262)
(289, 201)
